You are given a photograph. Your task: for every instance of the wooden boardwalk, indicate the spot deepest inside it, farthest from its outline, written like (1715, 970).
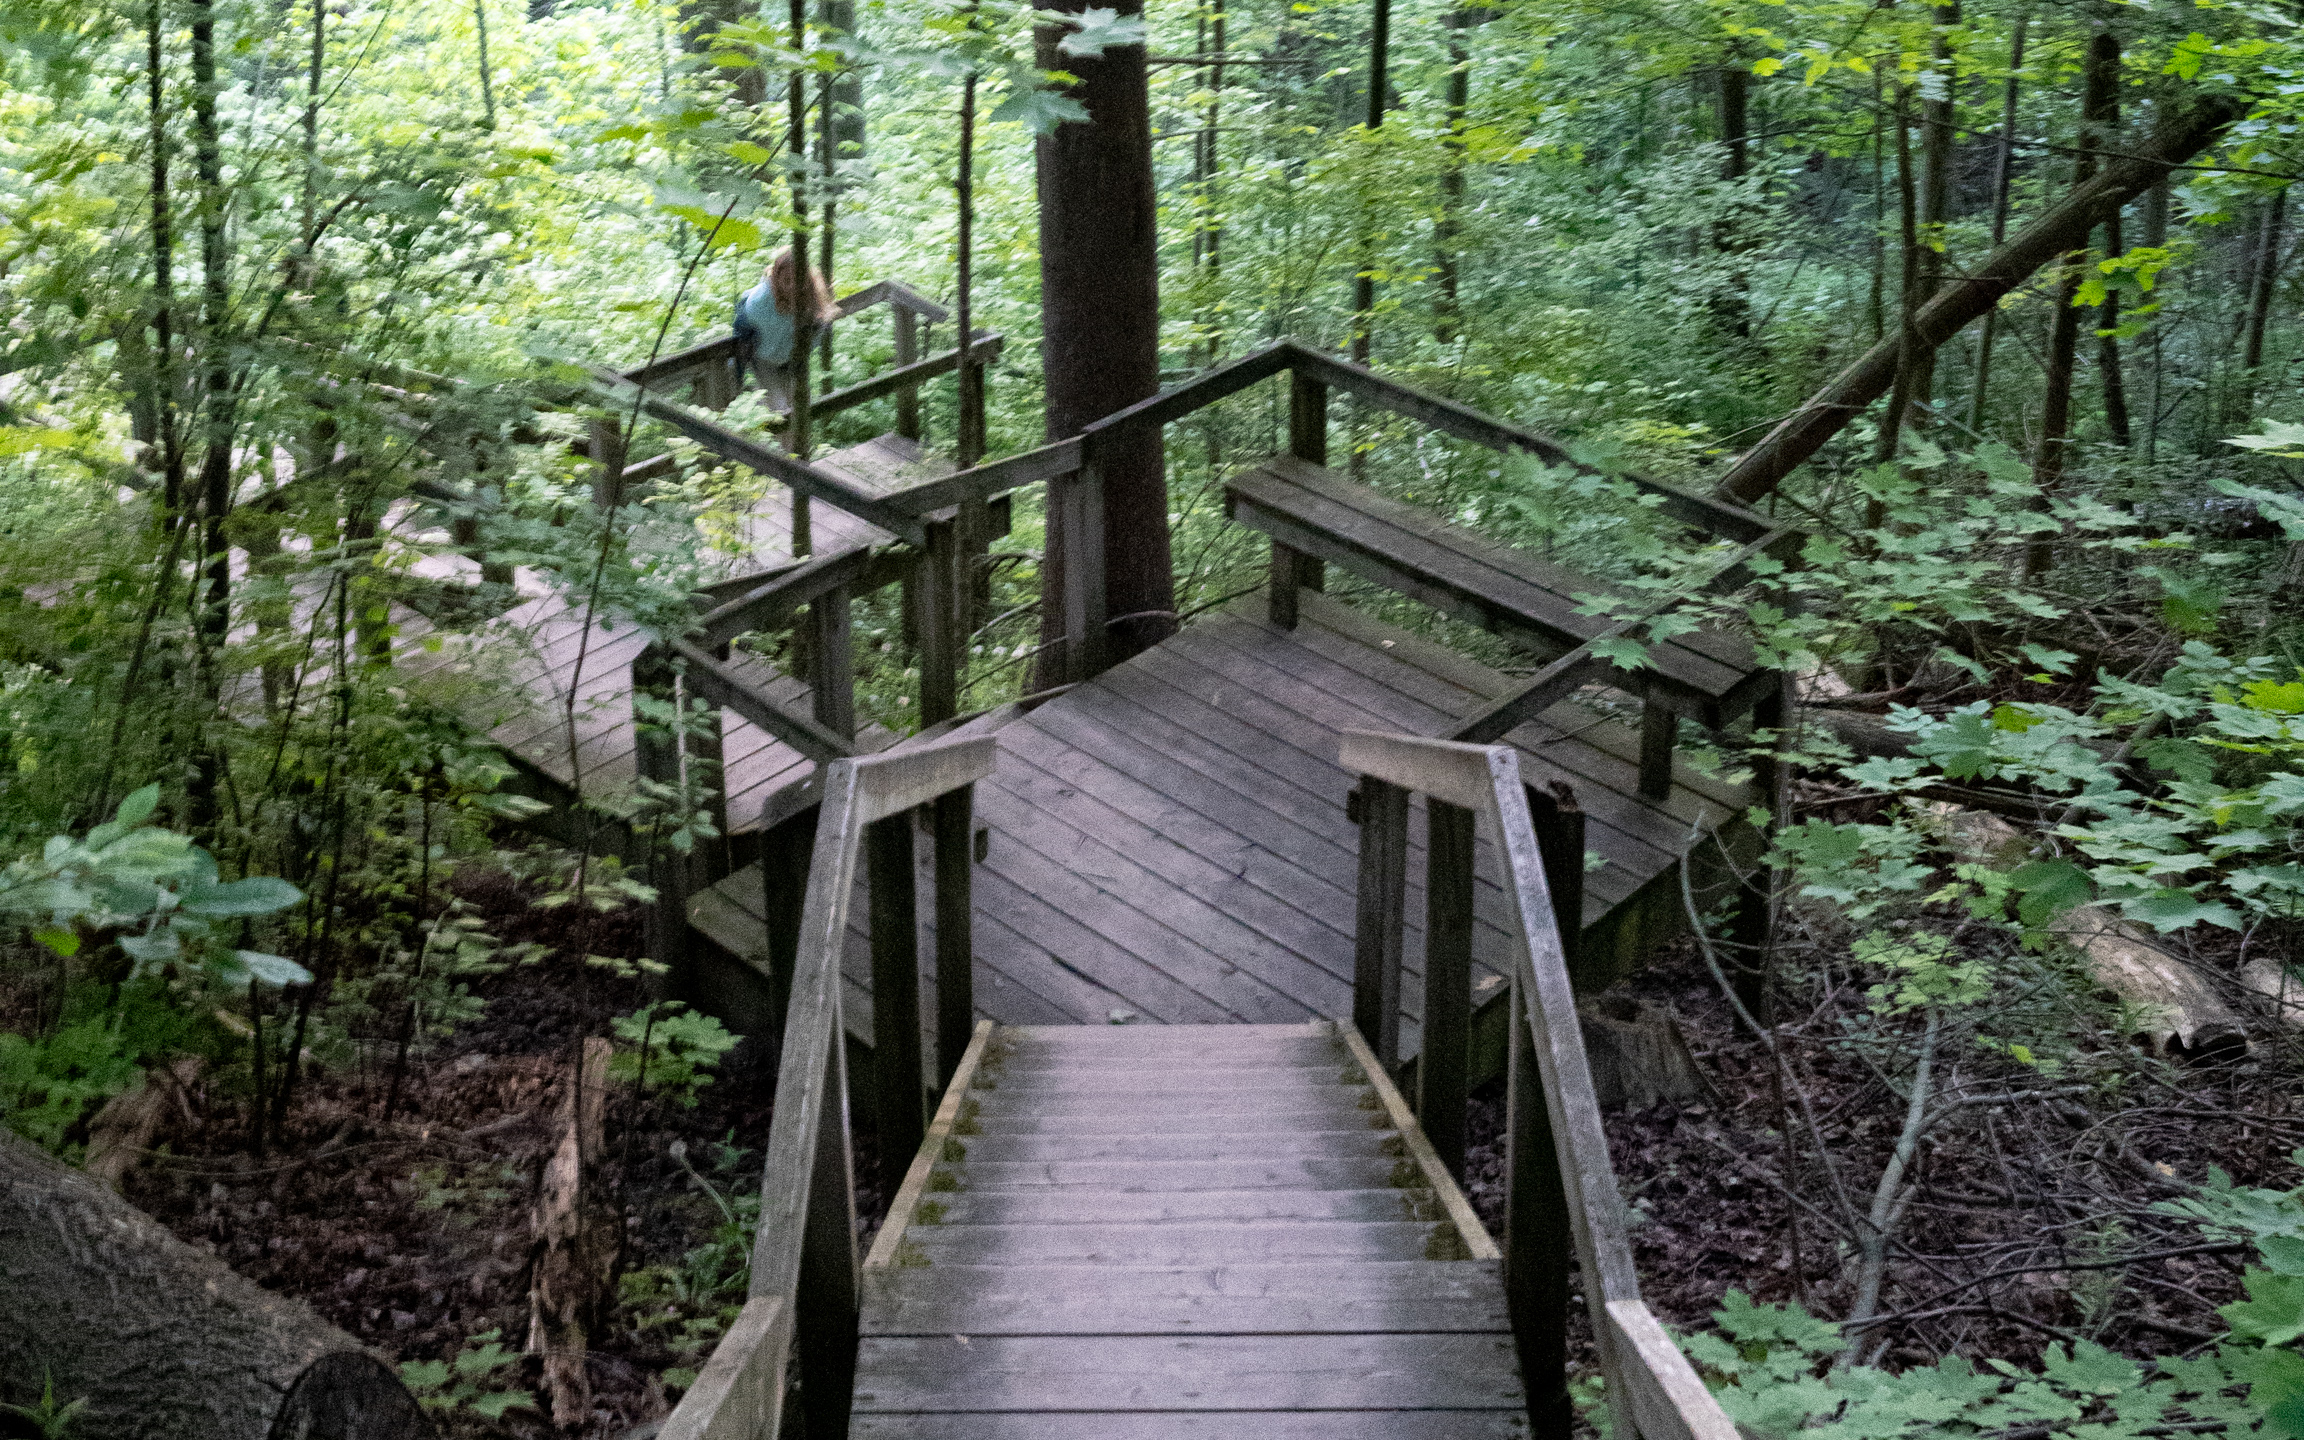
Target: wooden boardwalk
(1169, 842)
(1230, 1233)
(554, 686)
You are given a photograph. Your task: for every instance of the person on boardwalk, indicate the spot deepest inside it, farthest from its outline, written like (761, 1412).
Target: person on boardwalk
(765, 322)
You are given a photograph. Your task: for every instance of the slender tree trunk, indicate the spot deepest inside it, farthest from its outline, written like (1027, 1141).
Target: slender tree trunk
(1447, 316)
(2104, 84)
(1732, 95)
(1877, 304)
(1100, 351)
(163, 276)
(2265, 280)
(971, 444)
(2155, 218)
(217, 406)
(311, 187)
(797, 435)
(2002, 166)
(487, 81)
(1908, 361)
(2064, 331)
(1211, 234)
(1379, 78)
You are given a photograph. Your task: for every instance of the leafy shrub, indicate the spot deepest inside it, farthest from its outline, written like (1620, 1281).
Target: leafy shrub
(671, 1048)
(466, 1382)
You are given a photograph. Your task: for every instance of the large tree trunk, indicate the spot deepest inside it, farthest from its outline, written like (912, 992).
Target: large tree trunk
(162, 1341)
(1100, 315)
(2188, 129)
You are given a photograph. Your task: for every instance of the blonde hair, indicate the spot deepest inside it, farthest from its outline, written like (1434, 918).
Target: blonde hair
(781, 288)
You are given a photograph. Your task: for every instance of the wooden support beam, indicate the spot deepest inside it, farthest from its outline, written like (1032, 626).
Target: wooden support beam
(1443, 1063)
(831, 648)
(1048, 463)
(718, 685)
(1307, 417)
(1076, 507)
(1382, 812)
(1659, 732)
(897, 1079)
(954, 823)
(907, 396)
(905, 377)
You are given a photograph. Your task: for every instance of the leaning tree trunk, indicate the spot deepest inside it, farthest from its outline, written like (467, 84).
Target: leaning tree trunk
(163, 1341)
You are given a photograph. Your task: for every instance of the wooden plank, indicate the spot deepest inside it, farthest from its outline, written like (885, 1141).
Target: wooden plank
(1200, 391)
(1662, 1390)
(1094, 1247)
(1177, 885)
(986, 347)
(1260, 1119)
(1434, 553)
(1357, 1144)
(998, 477)
(1134, 1176)
(1291, 1297)
(1504, 1424)
(739, 1394)
(909, 1194)
(1437, 1176)
(1235, 1207)
(1091, 1373)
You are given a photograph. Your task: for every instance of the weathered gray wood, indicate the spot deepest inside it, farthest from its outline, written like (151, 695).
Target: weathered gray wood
(773, 602)
(912, 776)
(1202, 390)
(1129, 1176)
(1076, 507)
(1659, 727)
(1360, 1143)
(907, 351)
(1048, 463)
(906, 377)
(833, 658)
(1307, 417)
(897, 1077)
(1443, 1068)
(1261, 1207)
(913, 1192)
(1170, 1425)
(1435, 1175)
(939, 599)
(1666, 1399)
(1309, 1372)
(1335, 1297)
(1181, 1243)
(1702, 511)
(739, 1394)
(1379, 936)
(718, 684)
(953, 825)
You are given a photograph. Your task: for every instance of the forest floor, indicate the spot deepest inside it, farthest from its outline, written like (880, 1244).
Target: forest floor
(413, 1233)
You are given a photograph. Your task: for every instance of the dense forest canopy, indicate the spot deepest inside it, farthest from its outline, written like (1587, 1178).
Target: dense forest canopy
(304, 304)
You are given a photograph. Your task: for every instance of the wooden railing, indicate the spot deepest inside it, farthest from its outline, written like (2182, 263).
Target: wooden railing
(1561, 1196)
(802, 1303)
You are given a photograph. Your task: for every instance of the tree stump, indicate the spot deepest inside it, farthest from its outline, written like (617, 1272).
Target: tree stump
(162, 1340)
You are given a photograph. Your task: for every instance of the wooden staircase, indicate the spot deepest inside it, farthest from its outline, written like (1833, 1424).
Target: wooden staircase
(1232, 1232)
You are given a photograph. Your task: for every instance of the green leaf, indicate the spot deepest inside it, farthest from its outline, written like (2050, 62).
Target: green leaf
(2171, 909)
(492, 1407)
(2180, 758)
(1622, 651)
(2273, 1311)
(1094, 30)
(1038, 111)
(63, 942)
(256, 895)
(273, 970)
(137, 808)
(2049, 888)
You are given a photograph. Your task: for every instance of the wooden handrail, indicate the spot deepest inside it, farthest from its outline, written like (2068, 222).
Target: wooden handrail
(997, 477)
(797, 475)
(803, 1298)
(778, 597)
(1653, 1391)
(985, 350)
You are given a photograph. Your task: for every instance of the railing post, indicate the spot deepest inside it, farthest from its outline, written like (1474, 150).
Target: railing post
(955, 820)
(832, 662)
(827, 1300)
(1076, 503)
(1382, 811)
(1307, 417)
(969, 447)
(936, 594)
(1659, 731)
(785, 852)
(1538, 1238)
(1443, 1062)
(1292, 570)
(907, 351)
(1751, 931)
(897, 1081)
(796, 437)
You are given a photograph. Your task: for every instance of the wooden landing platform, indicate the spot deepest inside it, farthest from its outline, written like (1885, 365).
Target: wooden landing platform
(1169, 841)
(1228, 1233)
(529, 661)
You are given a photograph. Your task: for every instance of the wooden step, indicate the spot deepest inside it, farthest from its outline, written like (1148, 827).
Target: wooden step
(1203, 1101)
(1131, 1177)
(1504, 1424)
(1180, 1078)
(1360, 1144)
(1257, 1120)
(1410, 1296)
(1183, 1243)
(1067, 1207)
(959, 1373)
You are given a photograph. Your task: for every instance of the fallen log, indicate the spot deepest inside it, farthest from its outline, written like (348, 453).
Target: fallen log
(2186, 128)
(2176, 1010)
(164, 1341)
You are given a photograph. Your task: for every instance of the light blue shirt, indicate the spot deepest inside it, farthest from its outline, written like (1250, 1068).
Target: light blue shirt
(763, 329)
